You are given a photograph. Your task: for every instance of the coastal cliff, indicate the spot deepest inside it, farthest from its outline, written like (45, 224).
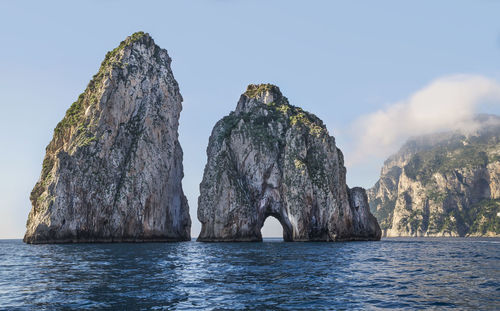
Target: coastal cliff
(445, 184)
(269, 158)
(113, 170)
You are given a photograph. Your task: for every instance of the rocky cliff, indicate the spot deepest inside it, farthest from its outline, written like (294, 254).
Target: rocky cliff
(445, 184)
(269, 158)
(113, 169)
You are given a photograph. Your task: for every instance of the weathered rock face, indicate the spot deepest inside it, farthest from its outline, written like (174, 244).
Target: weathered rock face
(113, 169)
(444, 184)
(268, 158)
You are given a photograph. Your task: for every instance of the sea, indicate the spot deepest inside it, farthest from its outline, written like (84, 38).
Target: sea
(395, 273)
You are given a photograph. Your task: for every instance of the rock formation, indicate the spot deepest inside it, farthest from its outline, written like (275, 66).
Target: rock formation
(269, 158)
(113, 170)
(445, 184)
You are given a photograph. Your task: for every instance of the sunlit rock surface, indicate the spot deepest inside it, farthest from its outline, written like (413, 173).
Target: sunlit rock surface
(269, 158)
(444, 184)
(113, 170)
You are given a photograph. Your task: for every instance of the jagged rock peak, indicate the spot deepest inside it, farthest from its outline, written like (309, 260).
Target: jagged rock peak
(257, 90)
(259, 94)
(269, 158)
(139, 37)
(113, 169)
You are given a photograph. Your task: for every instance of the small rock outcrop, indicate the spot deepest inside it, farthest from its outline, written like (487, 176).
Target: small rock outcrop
(113, 170)
(443, 184)
(269, 158)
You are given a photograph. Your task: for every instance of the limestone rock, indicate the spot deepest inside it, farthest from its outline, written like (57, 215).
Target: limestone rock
(113, 170)
(444, 184)
(269, 158)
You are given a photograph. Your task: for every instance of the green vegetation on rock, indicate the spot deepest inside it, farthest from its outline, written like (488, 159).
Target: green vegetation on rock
(74, 122)
(75, 115)
(451, 179)
(47, 165)
(259, 123)
(267, 126)
(484, 217)
(444, 159)
(384, 212)
(269, 158)
(436, 196)
(253, 90)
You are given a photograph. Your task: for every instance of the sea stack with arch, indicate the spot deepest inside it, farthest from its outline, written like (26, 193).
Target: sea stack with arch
(269, 158)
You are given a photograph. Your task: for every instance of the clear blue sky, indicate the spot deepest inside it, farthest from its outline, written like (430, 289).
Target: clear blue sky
(337, 59)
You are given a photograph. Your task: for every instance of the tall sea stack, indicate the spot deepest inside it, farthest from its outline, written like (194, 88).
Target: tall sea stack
(269, 158)
(113, 170)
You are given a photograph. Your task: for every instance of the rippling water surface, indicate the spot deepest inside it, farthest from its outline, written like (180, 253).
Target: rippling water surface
(393, 273)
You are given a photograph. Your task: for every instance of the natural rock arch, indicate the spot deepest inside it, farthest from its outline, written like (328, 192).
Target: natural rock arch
(282, 218)
(269, 158)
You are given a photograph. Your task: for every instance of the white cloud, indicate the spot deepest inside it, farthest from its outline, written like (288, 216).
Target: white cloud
(447, 103)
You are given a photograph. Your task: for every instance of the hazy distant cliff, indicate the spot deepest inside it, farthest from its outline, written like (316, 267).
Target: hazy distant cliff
(113, 169)
(445, 184)
(269, 158)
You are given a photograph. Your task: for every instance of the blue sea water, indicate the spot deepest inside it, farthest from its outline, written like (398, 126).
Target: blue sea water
(420, 273)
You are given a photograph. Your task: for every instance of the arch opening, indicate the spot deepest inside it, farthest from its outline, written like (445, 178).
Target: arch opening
(273, 227)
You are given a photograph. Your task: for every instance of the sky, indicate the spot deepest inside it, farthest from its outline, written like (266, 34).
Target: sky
(376, 72)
